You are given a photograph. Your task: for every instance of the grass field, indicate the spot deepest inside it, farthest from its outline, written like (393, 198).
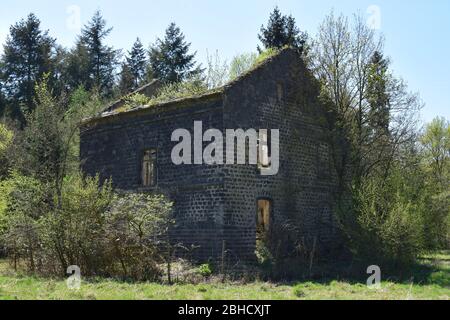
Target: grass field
(434, 285)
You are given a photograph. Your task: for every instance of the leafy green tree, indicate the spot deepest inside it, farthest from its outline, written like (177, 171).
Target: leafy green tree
(436, 142)
(244, 62)
(73, 232)
(137, 63)
(170, 60)
(142, 240)
(24, 202)
(383, 225)
(82, 104)
(282, 31)
(27, 55)
(241, 63)
(217, 73)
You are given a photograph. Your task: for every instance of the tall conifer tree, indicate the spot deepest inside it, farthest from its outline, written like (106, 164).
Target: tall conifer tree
(170, 60)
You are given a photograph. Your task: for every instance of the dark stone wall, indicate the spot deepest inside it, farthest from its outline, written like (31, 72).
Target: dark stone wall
(113, 147)
(214, 204)
(281, 95)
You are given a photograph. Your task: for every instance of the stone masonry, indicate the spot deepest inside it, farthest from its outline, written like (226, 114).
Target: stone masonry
(216, 205)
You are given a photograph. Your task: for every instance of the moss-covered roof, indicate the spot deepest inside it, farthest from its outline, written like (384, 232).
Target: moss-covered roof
(114, 110)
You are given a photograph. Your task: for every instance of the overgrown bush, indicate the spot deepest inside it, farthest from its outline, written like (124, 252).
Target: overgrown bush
(103, 233)
(72, 234)
(383, 225)
(191, 87)
(245, 62)
(285, 252)
(205, 270)
(24, 201)
(137, 234)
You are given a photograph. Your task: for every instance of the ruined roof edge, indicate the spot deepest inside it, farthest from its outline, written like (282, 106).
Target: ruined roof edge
(208, 94)
(156, 108)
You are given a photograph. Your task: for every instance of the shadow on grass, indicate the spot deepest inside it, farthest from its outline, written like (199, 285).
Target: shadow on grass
(429, 270)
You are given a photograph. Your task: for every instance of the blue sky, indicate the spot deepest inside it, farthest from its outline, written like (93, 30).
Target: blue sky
(417, 32)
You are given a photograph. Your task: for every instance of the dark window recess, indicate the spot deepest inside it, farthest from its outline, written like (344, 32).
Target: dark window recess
(149, 168)
(263, 218)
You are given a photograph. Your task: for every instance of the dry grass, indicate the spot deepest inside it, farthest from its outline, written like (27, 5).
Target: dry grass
(436, 285)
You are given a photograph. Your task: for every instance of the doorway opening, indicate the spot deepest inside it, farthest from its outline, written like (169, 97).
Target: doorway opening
(263, 219)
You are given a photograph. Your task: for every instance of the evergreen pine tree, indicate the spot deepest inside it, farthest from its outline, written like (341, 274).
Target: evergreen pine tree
(170, 60)
(281, 31)
(2, 96)
(76, 69)
(27, 55)
(377, 94)
(127, 79)
(2, 104)
(101, 60)
(137, 63)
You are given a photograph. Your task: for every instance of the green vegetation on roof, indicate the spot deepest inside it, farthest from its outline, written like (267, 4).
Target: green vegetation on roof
(196, 86)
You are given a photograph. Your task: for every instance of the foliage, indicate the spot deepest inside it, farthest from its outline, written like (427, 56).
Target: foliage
(91, 227)
(48, 148)
(126, 82)
(264, 256)
(372, 107)
(25, 201)
(435, 142)
(247, 61)
(383, 201)
(377, 95)
(82, 104)
(72, 233)
(134, 69)
(134, 101)
(170, 60)
(76, 67)
(429, 282)
(6, 139)
(205, 270)
(27, 55)
(383, 224)
(137, 62)
(217, 73)
(188, 88)
(192, 87)
(3, 103)
(241, 64)
(282, 31)
(95, 61)
(39, 148)
(137, 232)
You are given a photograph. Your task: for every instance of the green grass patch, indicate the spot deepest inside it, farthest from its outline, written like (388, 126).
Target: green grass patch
(433, 282)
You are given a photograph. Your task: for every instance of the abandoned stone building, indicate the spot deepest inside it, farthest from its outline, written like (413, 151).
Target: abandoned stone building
(222, 204)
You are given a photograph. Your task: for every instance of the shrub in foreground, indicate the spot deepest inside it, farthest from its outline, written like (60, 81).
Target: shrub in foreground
(103, 233)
